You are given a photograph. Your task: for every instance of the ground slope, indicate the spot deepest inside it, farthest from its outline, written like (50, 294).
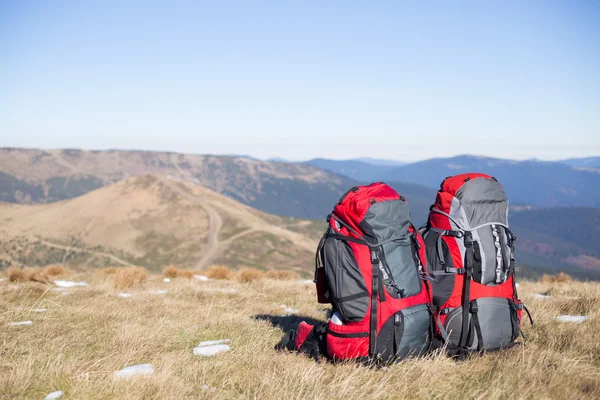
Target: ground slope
(152, 221)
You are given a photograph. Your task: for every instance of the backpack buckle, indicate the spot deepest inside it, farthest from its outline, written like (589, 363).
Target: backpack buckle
(473, 307)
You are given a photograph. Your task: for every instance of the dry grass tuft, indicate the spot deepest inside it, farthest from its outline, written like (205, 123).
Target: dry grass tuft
(282, 275)
(219, 272)
(26, 274)
(173, 272)
(128, 277)
(249, 275)
(107, 271)
(560, 278)
(54, 270)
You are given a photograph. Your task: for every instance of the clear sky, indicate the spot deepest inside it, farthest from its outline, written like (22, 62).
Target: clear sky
(301, 79)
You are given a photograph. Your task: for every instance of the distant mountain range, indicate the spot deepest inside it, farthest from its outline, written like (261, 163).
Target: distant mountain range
(551, 238)
(537, 183)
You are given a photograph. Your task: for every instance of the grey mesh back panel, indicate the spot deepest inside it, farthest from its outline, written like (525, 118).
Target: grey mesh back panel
(415, 336)
(483, 201)
(387, 222)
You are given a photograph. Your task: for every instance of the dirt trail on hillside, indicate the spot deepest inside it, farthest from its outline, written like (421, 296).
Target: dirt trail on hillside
(215, 246)
(215, 223)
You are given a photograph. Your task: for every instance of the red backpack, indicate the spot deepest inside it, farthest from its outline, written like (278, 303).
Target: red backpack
(471, 258)
(370, 265)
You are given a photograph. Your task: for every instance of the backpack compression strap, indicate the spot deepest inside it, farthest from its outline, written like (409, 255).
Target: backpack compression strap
(462, 344)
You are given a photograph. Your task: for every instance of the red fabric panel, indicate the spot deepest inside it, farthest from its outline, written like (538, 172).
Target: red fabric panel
(452, 184)
(303, 332)
(341, 348)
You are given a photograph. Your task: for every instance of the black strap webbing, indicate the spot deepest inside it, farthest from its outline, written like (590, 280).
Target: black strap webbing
(351, 297)
(462, 344)
(475, 317)
(374, 293)
(346, 238)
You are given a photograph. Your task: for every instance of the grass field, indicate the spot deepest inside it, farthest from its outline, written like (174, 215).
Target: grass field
(83, 337)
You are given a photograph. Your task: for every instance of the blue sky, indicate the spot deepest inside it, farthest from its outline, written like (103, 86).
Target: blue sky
(389, 79)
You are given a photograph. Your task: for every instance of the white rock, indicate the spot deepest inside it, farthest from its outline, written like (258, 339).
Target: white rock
(158, 291)
(290, 310)
(166, 280)
(209, 351)
(22, 323)
(201, 277)
(541, 296)
(213, 342)
(54, 395)
(125, 295)
(39, 310)
(142, 369)
(516, 285)
(572, 318)
(307, 282)
(68, 284)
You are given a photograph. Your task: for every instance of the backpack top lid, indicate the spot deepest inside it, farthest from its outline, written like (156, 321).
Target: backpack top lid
(470, 201)
(375, 210)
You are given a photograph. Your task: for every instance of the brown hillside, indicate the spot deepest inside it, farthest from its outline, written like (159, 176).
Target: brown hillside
(152, 221)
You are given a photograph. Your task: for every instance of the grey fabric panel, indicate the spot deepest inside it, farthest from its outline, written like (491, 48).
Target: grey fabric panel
(453, 325)
(483, 201)
(345, 279)
(496, 320)
(399, 258)
(386, 220)
(488, 256)
(415, 335)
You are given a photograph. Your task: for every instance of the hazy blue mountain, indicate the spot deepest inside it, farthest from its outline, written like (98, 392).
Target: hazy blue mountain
(355, 169)
(381, 162)
(542, 184)
(588, 162)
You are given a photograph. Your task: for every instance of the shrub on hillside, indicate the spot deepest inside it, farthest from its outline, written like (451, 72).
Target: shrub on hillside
(218, 272)
(173, 272)
(54, 270)
(26, 274)
(249, 275)
(560, 278)
(282, 275)
(127, 277)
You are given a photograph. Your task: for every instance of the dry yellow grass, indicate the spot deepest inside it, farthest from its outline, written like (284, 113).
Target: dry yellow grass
(219, 272)
(128, 277)
(249, 274)
(282, 275)
(173, 272)
(84, 337)
(108, 271)
(54, 270)
(559, 278)
(26, 274)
